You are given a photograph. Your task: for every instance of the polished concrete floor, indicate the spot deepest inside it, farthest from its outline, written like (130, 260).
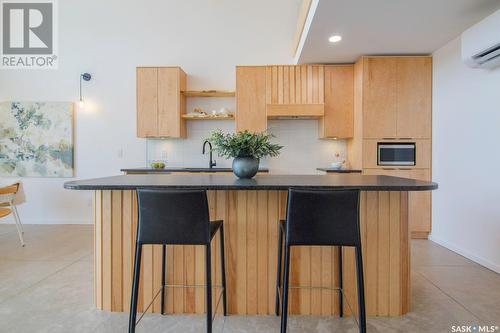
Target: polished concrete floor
(47, 287)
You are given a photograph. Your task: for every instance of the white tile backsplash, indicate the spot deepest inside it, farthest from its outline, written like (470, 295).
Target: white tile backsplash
(302, 151)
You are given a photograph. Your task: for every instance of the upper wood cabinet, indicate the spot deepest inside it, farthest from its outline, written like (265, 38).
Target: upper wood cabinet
(397, 97)
(295, 90)
(414, 91)
(379, 97)
(160, 103)
(251, 98)
(338, 119)
(147, 102)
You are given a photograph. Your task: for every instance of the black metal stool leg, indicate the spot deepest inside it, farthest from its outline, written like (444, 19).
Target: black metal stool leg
(361, 291)
(223, 267)
(278, 270)
(341, 283)
(284, 307)
(135, 289)
(163, 272)
(208, 267)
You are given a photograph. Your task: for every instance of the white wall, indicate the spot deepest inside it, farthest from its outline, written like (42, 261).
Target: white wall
(466, 157)
(109, 39)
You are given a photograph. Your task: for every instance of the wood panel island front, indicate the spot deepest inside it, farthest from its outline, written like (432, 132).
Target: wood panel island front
(251, 210)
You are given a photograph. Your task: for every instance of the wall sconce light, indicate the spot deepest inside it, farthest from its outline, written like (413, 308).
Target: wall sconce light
(85, 77)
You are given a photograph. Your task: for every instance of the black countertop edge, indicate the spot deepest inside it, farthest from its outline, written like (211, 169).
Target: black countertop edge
(331, 170)
(259, 188)
(262, 182)
(181, 169)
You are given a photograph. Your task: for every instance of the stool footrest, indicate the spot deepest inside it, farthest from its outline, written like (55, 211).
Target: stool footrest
(190, 286)
(180, 286)
(314, 287)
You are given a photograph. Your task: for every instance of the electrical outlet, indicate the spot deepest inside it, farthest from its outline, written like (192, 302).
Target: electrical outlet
(120, 153)
(163, 154)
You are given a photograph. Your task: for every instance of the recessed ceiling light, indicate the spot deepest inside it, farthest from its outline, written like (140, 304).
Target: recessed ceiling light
(335, 39)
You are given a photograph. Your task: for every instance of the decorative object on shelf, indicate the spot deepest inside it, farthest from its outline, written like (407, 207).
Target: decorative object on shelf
(245, 148)
(37, 139)
(198, 113)
(209, 93)
(158, 165)
(85, 77)
(224, 112)
(190, 116)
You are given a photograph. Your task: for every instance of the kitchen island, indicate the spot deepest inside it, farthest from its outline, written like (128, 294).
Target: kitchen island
(251, 210)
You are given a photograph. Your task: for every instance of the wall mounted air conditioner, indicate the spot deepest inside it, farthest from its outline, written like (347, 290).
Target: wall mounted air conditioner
(481, 43)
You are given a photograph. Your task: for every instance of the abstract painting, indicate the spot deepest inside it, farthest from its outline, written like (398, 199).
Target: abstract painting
(36, 139)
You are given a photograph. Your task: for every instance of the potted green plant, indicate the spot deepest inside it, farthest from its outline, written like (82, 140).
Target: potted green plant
(245, 148)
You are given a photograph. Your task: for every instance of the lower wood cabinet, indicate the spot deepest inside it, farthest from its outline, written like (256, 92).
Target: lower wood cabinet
(419, 203)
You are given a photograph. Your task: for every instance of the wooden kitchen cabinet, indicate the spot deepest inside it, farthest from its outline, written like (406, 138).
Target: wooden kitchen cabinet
(171, 102)
(419, 202)
(295, 90)
(147, 102)
(393, 104)
(397, 94)
(338, 119)
(379, 97)
(160, 102)
(414, 91)
(251, 98)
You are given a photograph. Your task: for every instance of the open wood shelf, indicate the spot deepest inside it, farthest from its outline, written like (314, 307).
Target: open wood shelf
(209, 93)
(208, 117)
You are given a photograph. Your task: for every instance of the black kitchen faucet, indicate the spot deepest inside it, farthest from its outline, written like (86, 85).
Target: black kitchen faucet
(211, 163)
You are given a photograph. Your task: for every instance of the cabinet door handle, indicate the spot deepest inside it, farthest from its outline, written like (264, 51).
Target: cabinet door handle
(388, 168)
(388, 138)
(405, 138)
(405, 169)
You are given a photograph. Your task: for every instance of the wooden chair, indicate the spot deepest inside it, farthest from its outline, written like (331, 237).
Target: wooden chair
(7, 206)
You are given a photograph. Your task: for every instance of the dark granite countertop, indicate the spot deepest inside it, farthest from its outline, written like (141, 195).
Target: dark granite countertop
(181, 169)
(259, 182)
(331, 170)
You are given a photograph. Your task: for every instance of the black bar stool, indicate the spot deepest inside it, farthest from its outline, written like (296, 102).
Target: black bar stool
(176, 217)
(321, 218)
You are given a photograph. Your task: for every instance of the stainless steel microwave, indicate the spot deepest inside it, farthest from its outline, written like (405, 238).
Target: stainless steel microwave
(396, 153)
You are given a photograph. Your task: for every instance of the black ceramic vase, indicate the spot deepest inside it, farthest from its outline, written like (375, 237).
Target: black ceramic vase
(245, 167)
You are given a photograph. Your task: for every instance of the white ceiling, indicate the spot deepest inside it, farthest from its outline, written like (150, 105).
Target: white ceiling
(374, 27)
